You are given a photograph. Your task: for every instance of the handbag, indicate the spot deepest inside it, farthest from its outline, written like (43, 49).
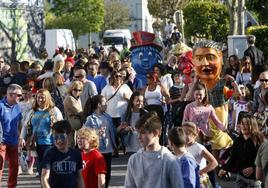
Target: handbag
(75, 122)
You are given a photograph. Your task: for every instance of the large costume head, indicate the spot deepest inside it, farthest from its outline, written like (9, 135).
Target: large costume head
(207, 60)
(186, 66)
(144, 54)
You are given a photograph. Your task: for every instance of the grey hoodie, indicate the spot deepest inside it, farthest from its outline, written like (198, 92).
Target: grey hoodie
(157, 169)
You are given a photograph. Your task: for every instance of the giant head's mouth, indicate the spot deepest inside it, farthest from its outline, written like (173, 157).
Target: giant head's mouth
(207, 70)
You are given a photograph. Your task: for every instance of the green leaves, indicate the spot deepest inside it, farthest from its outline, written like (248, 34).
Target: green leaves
(81, 16)
(116, 15)
(206, 20)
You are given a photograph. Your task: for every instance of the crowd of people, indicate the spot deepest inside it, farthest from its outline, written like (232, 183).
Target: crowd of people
(75, 112)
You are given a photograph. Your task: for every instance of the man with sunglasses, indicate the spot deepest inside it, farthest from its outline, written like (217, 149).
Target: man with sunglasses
(89, 86)
(98, 79)
(62, 166)
(258, 97)
(10, 118)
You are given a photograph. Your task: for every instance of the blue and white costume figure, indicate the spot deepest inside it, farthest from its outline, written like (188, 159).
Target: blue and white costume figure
(144, 54)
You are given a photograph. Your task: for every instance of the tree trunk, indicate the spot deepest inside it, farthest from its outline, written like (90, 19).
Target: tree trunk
(233, 15)
(241, 17)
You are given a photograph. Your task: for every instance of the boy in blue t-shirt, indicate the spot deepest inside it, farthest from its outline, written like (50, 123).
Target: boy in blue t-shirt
(189, 167)
(62, 166)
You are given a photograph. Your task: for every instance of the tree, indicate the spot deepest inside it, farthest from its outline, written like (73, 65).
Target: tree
(116, 15)
(163, 9)
(13, 34)
(81, 16)
(210, 20)
(259, 8)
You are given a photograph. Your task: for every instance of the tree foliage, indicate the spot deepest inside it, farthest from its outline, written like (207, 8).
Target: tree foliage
(81, 16)
(116, 15)
(260, 8)
(206, 20)
(163, 9)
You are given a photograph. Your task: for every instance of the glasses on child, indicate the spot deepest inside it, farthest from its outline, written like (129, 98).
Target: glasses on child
(61, 137)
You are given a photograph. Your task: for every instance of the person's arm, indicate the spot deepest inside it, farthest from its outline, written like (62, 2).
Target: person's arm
(80, 180)
(259, 173)
(259, 168)
(216, 120)
(212, 162)
(45, 177)
(234, 84)
(165, 93)
(184, 92)
(129, 180)
(186, 114)
(101, 180)
(233, 120)
(1, 133)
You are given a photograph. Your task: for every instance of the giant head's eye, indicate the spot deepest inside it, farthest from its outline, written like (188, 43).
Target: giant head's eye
(140, 55)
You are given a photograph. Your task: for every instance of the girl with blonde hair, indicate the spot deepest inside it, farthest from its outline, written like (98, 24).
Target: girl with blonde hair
(39, 122)
(94, 169)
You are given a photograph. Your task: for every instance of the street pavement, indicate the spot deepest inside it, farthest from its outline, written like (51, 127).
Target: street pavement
(119, 166)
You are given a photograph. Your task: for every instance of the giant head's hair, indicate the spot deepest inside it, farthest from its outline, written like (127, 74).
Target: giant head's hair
(208, 44)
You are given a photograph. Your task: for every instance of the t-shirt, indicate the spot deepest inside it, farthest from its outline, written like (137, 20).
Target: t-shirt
(63, 167)
(117, 105)
(10, 116)
(262, 161)
(189, 170)
(93, 164)
(134, 144)
(196, 151)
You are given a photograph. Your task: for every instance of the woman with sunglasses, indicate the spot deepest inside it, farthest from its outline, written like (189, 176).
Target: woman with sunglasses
(244, 152)
(73, 109)
(244, 75)
(155, 95)
(40, 120)
(117, 95)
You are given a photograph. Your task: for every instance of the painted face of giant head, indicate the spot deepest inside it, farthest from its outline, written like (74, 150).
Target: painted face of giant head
(143, 59)
(207, 63)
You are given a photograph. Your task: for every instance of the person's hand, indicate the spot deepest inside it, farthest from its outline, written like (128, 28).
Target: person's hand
(228, 77)
(21, 142)
(221, 173)
(248, 171)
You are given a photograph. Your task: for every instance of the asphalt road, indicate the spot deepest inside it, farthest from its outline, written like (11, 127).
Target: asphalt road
(119, 166)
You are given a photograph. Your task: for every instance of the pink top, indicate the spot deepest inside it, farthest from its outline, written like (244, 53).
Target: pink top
(200, 116)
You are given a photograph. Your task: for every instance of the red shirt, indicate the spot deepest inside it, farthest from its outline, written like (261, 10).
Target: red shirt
(93, 164)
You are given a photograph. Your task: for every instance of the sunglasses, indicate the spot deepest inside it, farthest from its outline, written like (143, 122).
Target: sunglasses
(18, 95)
(80, 76)
(77, 90)
(91, 69)
(118, 76)
(62, 137)
(264, 80)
